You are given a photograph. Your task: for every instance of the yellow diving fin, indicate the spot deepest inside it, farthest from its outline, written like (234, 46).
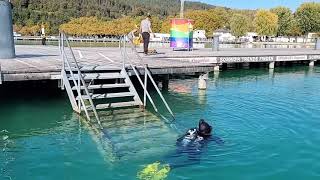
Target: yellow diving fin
(154, 171)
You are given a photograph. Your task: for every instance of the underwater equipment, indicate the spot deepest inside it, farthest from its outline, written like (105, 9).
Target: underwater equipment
(154, 171)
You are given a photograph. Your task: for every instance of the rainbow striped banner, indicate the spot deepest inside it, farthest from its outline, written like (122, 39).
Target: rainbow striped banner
(181, 33)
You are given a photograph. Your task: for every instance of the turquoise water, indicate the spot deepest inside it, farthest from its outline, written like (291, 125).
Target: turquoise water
(269, 122)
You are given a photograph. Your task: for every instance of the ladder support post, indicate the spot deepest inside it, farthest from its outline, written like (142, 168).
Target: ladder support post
(145, 89)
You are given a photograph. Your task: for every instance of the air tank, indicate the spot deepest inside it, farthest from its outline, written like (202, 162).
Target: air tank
(7, 50)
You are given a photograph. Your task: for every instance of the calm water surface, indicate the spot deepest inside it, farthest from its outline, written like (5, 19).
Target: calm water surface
(269, 122)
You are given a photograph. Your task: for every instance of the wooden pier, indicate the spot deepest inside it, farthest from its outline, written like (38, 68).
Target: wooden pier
(44, 62)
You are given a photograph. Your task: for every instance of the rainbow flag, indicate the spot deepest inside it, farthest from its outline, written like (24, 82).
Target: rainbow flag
(181, 33)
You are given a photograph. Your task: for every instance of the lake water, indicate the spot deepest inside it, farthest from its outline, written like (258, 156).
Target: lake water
(269, 123)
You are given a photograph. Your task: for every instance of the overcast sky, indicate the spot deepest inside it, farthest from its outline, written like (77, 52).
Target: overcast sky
(256, 4)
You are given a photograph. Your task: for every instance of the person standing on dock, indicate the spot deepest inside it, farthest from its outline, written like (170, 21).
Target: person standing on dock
(145, 29)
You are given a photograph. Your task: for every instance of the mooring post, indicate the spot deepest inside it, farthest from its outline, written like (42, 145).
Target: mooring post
(215, 43)
(7, 50)
(202, 85)
(271, 65)
(317, 47)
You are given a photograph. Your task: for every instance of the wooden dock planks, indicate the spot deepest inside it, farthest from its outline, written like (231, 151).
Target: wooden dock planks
(44, 62)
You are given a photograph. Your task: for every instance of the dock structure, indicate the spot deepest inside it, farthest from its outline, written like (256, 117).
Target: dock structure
(44, 62)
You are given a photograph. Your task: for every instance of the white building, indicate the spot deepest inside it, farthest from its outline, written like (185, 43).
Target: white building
(249, 37)
(224, 35)
(160, 37)
(199, 35)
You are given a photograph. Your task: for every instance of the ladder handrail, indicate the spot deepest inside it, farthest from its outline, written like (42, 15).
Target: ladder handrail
(125, 54)
(147, 73)
(80, 80)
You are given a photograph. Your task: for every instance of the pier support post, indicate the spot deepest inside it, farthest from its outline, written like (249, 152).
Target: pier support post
(215, 43)
(317, 47)
(311, 63)
(165, 82)
(271, 65)
(246, 65)
(202, 85)
(7, 50)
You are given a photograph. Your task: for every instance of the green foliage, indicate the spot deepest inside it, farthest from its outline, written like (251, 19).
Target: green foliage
(209, 20)
(57, 12)
(154, 171)
(117, 17)
(266, 23)
(308, 17)
(239, 25)
(285, 20)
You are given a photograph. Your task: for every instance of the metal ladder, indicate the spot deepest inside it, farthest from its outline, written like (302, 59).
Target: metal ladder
(147, 73)
(81, 85)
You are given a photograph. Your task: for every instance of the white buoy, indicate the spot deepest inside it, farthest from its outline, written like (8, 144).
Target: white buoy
(202, 85)
(311, 63)
(271, 65)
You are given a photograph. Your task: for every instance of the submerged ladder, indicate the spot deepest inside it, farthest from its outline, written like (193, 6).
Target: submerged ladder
(90, 88)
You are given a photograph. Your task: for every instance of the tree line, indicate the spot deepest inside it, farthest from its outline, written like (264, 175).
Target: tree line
(279, 21)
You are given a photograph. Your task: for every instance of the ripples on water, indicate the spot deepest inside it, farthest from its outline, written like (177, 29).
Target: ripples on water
(269, 124)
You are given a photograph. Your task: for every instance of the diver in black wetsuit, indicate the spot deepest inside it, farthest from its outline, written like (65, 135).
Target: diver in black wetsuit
(188, 152)
(191, 145)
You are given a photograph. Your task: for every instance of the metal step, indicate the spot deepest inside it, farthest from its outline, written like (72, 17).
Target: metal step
(108, 95)
(90, 76)
(118, 105)
(115, 105)
(99, 68)
(104, 86)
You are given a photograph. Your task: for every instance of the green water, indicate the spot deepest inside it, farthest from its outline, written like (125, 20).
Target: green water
(269, 122)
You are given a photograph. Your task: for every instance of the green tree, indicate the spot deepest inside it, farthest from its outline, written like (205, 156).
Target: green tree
(209, 20)
(266, 23)
(285, 20)
(295, 30)
(308, 17)
(239, 25)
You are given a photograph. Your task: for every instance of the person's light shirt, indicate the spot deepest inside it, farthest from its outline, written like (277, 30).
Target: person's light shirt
(145, 26)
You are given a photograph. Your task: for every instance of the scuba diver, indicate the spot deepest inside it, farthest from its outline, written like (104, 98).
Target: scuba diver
(189, 148)
(192, 144)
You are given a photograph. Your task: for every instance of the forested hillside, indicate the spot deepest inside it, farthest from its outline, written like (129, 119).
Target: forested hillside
(56, 12)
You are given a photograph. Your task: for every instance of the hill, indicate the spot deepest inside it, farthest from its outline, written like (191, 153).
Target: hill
(56, 12)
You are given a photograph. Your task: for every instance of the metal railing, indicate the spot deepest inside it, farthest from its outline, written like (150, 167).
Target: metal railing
(79, 82)
(147, 73)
